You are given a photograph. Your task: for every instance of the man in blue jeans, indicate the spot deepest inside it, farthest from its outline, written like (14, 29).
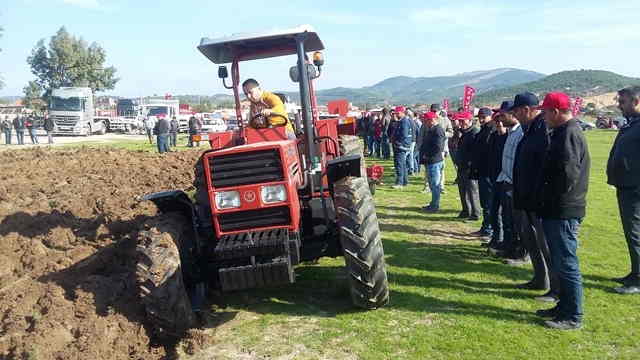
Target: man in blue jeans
(161, 129)
(402, 140)
(565, 175)
(432, 152)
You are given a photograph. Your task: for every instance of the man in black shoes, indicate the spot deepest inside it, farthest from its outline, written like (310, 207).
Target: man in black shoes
(527, 178)
(623, 172)
(481, 153)
(467, 186)
(564, 200)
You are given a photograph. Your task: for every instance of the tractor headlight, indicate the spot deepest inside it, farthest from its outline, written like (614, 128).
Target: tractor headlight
(227, 200)
(273, 194)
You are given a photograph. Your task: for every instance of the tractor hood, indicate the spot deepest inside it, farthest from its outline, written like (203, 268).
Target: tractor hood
(262, 45)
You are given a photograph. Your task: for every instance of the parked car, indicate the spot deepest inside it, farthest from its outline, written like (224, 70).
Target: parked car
(585, 125)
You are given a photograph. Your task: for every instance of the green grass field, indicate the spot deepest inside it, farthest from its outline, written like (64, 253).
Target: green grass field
(449, 300)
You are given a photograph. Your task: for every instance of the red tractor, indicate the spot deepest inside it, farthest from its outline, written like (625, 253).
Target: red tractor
(263, 202)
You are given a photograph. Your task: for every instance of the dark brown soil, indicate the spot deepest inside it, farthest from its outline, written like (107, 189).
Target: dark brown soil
(68, 224)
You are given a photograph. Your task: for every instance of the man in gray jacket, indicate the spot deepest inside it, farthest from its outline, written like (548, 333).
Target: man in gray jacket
(623, 172)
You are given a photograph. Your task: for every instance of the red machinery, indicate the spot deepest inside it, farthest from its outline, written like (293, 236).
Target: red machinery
(264, 202)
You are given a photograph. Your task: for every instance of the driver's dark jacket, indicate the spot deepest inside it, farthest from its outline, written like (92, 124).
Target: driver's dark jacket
(623, 167)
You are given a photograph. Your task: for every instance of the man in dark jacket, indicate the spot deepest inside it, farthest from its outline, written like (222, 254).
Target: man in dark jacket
(494, 166)
(402, 139)
(467, 186)
(565, 177)
(623, 172)
(162, 128)
(173, 132)
(481, 150)
(6, 129)
(49, 126)
(527, 181)
(385, 145)
(18, 125)
(30, 124)
(194, 129)
(432, 152)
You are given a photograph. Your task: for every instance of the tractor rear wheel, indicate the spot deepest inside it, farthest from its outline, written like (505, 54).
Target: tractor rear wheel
(159, 274)
(351, 145)
(361, 243)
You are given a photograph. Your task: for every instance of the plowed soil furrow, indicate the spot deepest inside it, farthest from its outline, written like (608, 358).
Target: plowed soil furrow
(68, 220)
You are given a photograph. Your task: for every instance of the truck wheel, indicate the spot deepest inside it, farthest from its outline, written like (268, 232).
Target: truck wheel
(351, 145)
(159, 274)
(361, 243)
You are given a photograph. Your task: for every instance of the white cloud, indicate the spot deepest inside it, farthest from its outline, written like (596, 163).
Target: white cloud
(87, 4)
(462, 15)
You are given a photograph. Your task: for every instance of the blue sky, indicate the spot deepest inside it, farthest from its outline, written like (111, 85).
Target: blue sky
(153, 43)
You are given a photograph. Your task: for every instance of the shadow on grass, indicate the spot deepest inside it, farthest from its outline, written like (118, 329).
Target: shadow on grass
(330, 297)
(449, 234)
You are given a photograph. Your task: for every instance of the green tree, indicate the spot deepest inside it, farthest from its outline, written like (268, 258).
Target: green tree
(70, 61)
(33, 96)
(204, 107)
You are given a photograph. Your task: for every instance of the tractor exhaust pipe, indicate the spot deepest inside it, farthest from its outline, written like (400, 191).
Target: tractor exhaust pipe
(313, 162)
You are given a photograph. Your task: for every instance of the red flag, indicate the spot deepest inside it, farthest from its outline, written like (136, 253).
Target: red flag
(445, 105)
(577, 104)
(167, 96)
(469, 92)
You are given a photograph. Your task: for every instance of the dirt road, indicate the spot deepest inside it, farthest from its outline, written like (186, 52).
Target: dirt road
(68, 222)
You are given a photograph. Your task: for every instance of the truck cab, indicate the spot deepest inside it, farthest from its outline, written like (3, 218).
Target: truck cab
(72, 111)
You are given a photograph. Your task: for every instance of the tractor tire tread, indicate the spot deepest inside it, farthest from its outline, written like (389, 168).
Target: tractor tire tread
(161, 286)
(362, 243)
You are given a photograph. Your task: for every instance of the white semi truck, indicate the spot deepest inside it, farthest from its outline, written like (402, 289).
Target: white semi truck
(157, 108)
(72, 111)
(129, 117)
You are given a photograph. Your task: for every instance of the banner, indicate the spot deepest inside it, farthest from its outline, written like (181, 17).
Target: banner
(577, 104)
(445, 105)
(469, 92)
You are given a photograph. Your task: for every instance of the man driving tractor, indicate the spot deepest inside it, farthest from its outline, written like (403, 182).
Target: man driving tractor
(267, 109)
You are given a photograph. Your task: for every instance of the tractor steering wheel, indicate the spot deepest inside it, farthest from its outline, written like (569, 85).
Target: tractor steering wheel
(260, 121)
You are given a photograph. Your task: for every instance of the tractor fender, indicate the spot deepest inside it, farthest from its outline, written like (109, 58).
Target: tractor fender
(342, 167)
(176, 201)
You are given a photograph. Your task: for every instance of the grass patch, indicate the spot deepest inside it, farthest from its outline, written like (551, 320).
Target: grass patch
(448, 299)
(135, 144)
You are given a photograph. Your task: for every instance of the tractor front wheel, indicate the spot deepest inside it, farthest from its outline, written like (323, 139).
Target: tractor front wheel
(159, 274)
(361, 243)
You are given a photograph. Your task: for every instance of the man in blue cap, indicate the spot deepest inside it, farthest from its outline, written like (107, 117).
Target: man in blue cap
(527, 176)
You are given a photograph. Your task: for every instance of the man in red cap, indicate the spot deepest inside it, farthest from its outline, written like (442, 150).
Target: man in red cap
(565, 174)
(467, 187)
(432, 155)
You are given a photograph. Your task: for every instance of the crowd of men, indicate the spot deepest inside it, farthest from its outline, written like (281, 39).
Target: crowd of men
(25, 123)
(523, 169)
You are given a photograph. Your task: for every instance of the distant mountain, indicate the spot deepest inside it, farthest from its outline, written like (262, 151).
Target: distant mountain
(412, 90)
(583, 83)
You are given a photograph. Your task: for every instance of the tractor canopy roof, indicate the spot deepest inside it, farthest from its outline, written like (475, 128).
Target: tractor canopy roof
(262, 45)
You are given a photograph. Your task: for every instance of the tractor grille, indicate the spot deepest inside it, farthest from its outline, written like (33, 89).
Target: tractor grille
(252, 219)
(246, 168)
